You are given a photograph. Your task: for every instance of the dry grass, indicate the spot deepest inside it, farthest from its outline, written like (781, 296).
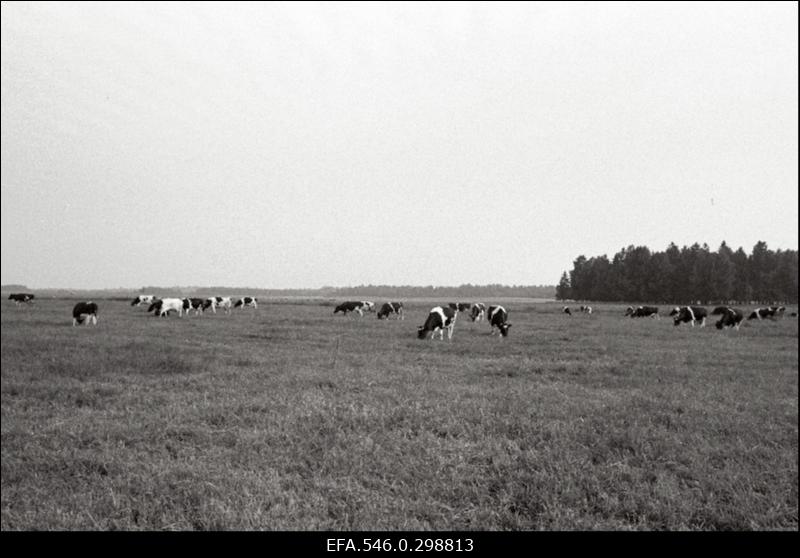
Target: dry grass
(291, 418)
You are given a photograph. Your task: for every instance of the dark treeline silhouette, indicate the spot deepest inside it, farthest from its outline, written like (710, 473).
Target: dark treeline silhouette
(682, 275)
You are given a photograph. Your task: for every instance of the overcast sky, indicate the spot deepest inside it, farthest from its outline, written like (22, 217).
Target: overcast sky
(300, 145)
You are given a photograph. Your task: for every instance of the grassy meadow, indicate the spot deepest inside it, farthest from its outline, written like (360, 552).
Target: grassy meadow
(290, 418)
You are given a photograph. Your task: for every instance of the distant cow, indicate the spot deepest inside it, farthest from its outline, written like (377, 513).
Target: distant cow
(390, 308)
(215, 302)
(143, 299)
(195, 304)
(84, 312)
(350, 306)
(771, 312)
(477, 311)
(19, 298)
(586, 309)
(691, 314)
(367, 306)
(731, 317)
(439, 319)
(498, 318)
(162, 307)
(566, 310)
(642, 312)
(246, 301)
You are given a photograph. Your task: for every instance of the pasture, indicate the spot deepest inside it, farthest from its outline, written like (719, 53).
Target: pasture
(290, 418)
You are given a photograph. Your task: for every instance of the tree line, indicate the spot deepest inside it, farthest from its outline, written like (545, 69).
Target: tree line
(683, 275)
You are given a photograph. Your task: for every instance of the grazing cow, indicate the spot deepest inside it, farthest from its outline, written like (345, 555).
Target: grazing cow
(390, 308)
(350, 306)
(246, 301)
(477, 311)
(439, 319)
(143, 299)
(731, 317)
(770, 312)
(215, 302)
(19, 298)
(84, 311)
(162, 307)
(566, 310)
(643, 312)
(586, 309)
(498, 318)
(195, 304)
(367, 306)
(691, 314)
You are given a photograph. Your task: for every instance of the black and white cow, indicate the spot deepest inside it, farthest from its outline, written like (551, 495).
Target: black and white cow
(731, 317)
(477, 311)
(195, 304)
(439, 319)
(84, 312)
(163, 306)
(771, 312)
(246, 301)
(498, 318)
(215, 302)
(643, 312)
(367, 306)
(350, 306)
(143, 299)
(390, 308)
(691, 314)
(19, 298)
(586, 309)
(566, 310)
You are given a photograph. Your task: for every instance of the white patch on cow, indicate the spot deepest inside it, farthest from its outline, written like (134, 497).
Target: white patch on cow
(691, 314)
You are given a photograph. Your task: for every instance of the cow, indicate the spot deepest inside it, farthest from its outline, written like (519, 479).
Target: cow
(215, 302)
(20, 298)
(477, 311)
(143, 299)
(498, 318)
(390, 308)
(162, 307)
(350, 306)
(439, 319)
(691, 314)
(770, 312)
(586, 309)
(566, 310)
(643, 312)
(246, 301)
(731, 317)
(367, 306)
(84, 311)
(195, 304)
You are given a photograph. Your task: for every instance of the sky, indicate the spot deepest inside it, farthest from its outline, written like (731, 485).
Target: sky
(300, 145)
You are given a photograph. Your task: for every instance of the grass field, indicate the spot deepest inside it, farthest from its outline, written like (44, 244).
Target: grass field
(291, 418)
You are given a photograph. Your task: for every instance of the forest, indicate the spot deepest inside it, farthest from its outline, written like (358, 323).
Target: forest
(682, 275)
